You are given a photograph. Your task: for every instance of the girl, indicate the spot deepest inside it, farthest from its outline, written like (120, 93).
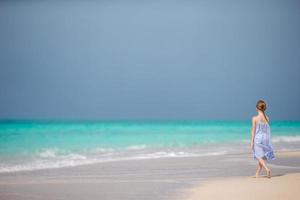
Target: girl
(261, 139)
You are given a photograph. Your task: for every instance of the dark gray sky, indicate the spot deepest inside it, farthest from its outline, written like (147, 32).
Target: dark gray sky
(156, 59)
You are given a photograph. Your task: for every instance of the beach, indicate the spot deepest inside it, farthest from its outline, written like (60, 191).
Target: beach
(136, 160)
(149, 100)
(284, 186)
(279, 186)
(162, 178)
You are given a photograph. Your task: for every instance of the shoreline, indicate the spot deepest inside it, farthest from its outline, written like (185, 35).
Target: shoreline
(224, 149)
(160, 179)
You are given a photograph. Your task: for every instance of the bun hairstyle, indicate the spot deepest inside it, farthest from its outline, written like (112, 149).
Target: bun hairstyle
(262, 106)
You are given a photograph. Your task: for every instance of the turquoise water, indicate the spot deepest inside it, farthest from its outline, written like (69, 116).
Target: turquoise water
(26, 145)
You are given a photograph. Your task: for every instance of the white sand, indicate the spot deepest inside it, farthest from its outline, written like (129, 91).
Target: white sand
(279, 187)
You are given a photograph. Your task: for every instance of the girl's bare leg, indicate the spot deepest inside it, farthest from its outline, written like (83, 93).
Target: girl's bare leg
(258, 169)
(262, 162)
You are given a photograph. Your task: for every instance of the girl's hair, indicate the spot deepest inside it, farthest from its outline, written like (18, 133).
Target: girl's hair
(262, 106)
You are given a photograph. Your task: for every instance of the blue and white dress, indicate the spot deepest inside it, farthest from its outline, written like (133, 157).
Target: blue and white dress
(262, 142)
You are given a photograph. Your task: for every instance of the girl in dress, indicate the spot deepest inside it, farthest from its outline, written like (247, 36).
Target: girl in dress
(261, 139)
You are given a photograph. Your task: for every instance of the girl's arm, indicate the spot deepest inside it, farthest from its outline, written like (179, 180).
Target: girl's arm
(253, 131)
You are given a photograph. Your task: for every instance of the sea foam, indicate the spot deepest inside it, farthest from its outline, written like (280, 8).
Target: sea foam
(288, 139)
(71, 160)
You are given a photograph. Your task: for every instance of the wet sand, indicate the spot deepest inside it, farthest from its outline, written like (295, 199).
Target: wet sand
(163, 178)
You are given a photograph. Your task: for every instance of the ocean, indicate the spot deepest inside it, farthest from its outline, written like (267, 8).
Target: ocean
(36, 145)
